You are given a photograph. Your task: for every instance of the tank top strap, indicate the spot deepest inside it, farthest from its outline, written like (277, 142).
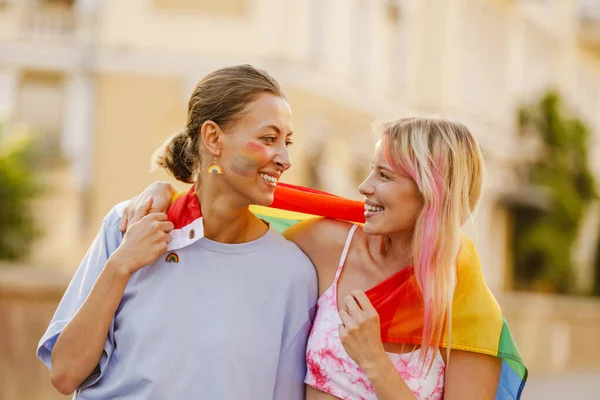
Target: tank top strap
(344, 253)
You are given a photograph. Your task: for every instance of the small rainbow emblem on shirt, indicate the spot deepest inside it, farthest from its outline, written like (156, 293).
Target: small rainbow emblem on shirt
(214, 169)
(172, 257)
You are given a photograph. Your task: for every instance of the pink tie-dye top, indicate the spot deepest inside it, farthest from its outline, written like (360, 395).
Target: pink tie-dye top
(331, 370)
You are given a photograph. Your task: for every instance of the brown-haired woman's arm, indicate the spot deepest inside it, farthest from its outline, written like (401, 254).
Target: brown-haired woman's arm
(83, 322)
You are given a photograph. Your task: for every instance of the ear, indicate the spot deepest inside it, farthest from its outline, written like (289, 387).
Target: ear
(210, 135)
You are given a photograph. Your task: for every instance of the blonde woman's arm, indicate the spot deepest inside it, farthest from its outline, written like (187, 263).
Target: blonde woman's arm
(159, 192)
(472, 376)
(360, 334)
(468, 375)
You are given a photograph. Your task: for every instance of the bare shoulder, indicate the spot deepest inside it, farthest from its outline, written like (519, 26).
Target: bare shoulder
(321, 239)
(318, 233)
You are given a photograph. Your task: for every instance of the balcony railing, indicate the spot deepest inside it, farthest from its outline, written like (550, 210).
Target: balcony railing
(51, 25)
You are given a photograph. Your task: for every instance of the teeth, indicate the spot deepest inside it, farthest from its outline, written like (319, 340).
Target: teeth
(269, 178)
(373, 208)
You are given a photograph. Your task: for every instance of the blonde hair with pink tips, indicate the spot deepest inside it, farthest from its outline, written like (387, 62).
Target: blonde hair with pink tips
(445, 161)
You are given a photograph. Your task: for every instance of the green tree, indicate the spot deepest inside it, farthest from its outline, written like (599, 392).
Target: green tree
(18, 186)
(544, 238)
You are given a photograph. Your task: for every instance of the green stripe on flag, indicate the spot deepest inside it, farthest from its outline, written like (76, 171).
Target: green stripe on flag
(279, 224)
(508, 350)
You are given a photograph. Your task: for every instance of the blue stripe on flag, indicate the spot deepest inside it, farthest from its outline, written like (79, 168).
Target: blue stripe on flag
(510, 385)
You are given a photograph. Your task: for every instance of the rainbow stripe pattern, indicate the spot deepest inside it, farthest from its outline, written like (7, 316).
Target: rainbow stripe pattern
(172, 257)
(214, 168)
(477, 321)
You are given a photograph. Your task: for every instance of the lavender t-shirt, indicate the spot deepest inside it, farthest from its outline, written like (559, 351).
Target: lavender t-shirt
(207, 320)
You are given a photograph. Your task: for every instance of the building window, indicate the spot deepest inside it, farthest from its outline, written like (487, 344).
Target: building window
(361, 51)
(398, 31)
(318, 40)
(40, 102)
(218, 7)
(314, 167)
(49, 21)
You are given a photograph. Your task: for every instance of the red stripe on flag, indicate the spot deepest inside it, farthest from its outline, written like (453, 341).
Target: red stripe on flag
(315, 202)
(186, 209)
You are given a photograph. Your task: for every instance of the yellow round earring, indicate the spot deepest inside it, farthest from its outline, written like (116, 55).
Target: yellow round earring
(214, 167)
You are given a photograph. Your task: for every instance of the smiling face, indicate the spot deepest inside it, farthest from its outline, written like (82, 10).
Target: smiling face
(392, 200)
(255, 149)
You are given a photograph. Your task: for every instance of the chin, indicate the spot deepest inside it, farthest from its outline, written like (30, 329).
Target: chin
(264, 200)
(375, 229)
(370, 229)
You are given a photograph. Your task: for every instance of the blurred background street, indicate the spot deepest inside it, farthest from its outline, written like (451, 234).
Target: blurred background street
(569, 386)
(89, 88)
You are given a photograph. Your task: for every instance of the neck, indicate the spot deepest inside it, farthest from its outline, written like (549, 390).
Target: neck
(224, 219)
(395, 252)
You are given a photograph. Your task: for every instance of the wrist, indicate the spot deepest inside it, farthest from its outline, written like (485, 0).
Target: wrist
(119, 266)
(377, 367)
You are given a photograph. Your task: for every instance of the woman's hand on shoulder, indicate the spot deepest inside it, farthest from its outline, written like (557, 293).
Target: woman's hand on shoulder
(160, 193)
(145, 241)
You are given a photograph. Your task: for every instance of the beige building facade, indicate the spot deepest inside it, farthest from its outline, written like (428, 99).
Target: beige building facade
(105, 82)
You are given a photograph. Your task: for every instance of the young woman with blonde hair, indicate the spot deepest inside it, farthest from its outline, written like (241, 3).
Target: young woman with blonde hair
(425, 184)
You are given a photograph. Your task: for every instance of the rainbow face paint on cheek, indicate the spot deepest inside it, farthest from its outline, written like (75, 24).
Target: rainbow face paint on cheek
(252, 157)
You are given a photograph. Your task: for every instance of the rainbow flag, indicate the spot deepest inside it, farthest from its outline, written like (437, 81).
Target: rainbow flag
(477, 321)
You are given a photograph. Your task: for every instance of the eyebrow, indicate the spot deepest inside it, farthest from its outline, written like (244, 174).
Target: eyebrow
(277, 130)
(384, 168)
